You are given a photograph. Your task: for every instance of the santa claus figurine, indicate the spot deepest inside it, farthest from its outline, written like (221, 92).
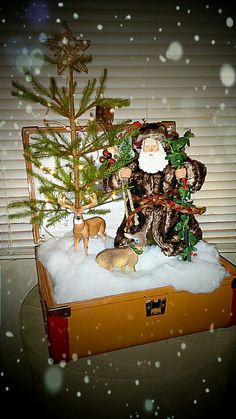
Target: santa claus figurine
(149, 175)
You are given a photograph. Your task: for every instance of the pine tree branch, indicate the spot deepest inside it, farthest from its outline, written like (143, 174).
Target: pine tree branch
(86, 96)
(113, 103)
(27, 94)
(63, 98)
(101, 87)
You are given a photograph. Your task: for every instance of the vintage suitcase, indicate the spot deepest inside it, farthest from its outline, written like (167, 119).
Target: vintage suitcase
(88, 327)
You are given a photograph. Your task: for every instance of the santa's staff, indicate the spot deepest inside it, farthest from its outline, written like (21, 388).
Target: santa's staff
(124, 181)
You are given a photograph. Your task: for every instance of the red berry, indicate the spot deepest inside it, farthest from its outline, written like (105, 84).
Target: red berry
(105, 153)
(111, 162)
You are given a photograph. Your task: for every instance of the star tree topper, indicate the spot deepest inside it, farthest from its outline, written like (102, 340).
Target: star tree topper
(68, 50)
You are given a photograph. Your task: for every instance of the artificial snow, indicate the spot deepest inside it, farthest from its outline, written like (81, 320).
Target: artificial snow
(77, 277)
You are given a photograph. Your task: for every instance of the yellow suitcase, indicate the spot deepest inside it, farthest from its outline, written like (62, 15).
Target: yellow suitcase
(88, 327)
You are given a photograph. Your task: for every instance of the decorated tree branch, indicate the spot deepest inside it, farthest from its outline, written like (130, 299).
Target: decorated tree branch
(72, 184)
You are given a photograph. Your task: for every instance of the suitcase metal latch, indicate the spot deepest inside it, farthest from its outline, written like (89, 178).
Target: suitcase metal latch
(155, 307)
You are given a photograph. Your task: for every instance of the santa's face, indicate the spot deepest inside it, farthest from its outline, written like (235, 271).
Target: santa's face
(152, 156)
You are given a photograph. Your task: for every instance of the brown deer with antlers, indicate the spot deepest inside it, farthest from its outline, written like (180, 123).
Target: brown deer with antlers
(84, 229)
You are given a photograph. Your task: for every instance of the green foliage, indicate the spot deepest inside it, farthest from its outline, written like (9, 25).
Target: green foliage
(177, 156)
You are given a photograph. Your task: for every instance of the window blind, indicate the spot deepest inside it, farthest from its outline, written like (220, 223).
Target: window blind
(174, 60)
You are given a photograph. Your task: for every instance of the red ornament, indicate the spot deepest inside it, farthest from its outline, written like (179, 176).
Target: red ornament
(136, 124)
(106, 153)
(111, 161)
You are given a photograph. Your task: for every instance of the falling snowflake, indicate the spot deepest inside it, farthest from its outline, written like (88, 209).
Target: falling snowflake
(62, 364)
(227, 75)
(9, 334)
(229, 22)
(162, 58)
(86, 379)
(174, 51)
(53, 379)
(148, 405)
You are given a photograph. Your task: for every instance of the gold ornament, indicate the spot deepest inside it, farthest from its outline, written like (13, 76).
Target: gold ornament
(68, 50)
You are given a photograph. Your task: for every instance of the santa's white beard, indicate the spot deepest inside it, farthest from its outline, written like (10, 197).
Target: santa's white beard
(152, 162)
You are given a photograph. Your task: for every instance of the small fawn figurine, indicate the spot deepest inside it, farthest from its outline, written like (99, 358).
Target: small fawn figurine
(123, 256)
(84, 229)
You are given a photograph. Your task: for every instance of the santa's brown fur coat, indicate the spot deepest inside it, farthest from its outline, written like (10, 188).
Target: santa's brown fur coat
(158, 220)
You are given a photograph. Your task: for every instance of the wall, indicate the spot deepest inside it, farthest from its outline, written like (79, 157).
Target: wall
(174, 60)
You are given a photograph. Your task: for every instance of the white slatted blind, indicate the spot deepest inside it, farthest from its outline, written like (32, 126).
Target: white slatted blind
(167, 57)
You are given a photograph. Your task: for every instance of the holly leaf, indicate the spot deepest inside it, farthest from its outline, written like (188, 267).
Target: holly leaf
(178, 226)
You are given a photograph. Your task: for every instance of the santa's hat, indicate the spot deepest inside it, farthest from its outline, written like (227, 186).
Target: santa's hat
(158, 131)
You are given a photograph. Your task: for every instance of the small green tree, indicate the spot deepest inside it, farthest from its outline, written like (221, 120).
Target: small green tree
(73, 184)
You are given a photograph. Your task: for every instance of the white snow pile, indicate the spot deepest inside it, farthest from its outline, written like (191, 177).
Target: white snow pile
(78, 277)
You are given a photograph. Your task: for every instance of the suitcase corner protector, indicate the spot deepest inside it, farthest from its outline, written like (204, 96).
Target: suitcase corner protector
(64, 311)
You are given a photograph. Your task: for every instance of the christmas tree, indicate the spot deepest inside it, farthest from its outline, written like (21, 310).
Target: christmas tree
(72, 185)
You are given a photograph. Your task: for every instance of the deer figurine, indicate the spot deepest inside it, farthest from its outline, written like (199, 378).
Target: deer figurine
(123, 256)
(84, 229)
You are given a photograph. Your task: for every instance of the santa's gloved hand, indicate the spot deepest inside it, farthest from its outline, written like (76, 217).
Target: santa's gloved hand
(125, 173)
(181, 173)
